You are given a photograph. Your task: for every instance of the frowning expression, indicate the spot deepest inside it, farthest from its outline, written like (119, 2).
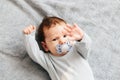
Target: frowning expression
(53, 36)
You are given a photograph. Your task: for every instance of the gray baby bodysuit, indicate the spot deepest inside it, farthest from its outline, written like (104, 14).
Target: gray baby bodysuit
(71, 66)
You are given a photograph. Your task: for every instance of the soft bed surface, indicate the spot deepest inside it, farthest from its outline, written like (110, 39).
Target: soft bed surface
(100, 19)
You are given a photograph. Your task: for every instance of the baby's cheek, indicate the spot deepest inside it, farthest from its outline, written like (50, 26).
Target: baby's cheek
(53, 49)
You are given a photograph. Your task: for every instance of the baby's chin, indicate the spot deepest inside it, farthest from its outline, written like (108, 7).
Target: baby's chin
(72, 42)
(61, 54)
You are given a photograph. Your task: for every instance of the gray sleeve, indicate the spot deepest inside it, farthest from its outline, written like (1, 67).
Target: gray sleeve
(33, 50)
(83, 47)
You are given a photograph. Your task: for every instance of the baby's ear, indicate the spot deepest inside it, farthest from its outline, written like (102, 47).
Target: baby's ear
(44, 46)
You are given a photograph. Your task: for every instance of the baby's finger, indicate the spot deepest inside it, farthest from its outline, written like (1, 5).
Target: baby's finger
(68, 28)
(34, 27)
(29, 29)
(75, 25)
(25, 31)
(66, 32)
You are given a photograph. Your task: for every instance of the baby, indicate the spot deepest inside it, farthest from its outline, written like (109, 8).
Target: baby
(64, 49)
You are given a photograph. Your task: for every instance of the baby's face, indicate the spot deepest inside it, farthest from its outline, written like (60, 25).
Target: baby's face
(54, 36)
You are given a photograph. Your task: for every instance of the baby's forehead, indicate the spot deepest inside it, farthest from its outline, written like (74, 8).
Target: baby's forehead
(54, 31)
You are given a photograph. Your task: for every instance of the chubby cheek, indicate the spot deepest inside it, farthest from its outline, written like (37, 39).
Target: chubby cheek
(52, 49)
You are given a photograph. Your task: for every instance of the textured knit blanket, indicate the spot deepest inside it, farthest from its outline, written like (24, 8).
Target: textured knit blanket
(100, 19)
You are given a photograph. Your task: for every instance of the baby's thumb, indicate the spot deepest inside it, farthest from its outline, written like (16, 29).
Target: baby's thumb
(75, 25)
(33, 27)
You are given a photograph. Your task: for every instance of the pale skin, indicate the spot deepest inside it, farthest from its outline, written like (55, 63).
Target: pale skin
(58, 34)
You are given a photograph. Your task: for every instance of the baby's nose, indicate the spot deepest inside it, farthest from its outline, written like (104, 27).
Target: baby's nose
(62, 41)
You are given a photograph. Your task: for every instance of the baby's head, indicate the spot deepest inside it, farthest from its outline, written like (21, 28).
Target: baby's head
(51, 35)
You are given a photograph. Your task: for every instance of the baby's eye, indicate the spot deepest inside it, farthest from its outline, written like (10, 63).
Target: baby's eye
(54, 39)
(65, 36)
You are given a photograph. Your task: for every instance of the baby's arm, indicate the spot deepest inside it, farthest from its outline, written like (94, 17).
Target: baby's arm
(32, 46)
(83, 47)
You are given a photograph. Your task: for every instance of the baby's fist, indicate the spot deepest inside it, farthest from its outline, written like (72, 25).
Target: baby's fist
(29, 29)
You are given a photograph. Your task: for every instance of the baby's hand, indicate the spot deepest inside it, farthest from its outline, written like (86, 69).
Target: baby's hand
(74, 32)
(29, 29)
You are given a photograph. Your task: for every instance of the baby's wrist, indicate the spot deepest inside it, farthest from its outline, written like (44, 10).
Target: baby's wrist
(80, 38)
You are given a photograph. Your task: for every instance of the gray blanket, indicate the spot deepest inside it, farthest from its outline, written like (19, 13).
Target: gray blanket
(100, 19)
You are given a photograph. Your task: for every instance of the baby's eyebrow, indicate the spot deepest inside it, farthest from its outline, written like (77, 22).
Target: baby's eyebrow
(50, 35)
